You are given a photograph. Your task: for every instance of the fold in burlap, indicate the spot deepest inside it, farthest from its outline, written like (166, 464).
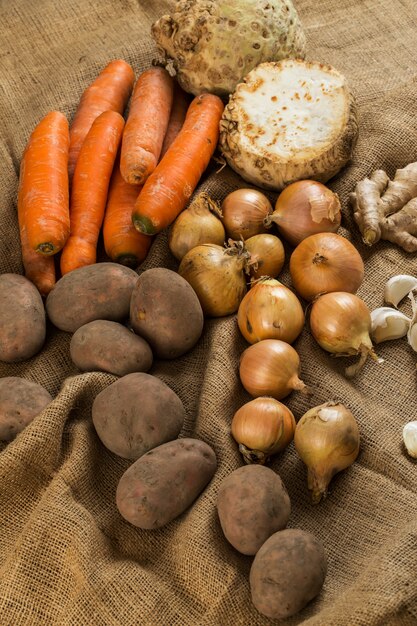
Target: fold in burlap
(66, 555)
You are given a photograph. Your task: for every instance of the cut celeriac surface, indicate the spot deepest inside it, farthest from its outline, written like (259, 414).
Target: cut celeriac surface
(287, 121)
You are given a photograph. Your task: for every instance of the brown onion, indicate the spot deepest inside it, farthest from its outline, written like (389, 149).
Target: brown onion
(267, 255)
(270, 310)
(199, 223)
(262, 427)
(244, 211)
(341, 323)
(323, 263)
(217, 276)
(270, 368)
(327, 440)
(305, 208)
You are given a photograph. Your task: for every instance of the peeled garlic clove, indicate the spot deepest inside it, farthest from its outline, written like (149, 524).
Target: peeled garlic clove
(410, 438)
(387, 324)
(398, 287)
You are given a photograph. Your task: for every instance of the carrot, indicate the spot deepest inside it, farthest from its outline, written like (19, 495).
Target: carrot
(110, 91)
(169, 187)
(122, 242)
(180, 105)
(43, 185)
(89, 190)
(39, 269)
(146, 124)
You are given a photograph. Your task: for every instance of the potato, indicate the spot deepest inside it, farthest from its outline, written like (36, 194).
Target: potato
(287, 572)
(22, 319)
(252, 504)
(165, 311)
(137, 413)
(109, 347)
(21, 401)
(164, 482)
(93, 292)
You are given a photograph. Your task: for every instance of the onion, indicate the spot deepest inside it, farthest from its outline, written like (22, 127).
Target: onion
(244, 211)
(217, 276)
(323, 263)
(270, 310)
(267, 255)
(262, 427)
(270, 368)
(327, 440)
(341, 323)
(199, 223)
(305, 208)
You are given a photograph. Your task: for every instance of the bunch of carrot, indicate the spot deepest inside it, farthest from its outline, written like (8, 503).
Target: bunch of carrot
(129, 180)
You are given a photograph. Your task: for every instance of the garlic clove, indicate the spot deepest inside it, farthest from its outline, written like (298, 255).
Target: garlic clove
(387, 324)
(412, 331)
(398, 287)
(410, 438)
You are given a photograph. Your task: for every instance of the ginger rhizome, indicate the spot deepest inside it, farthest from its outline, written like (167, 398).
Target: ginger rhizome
(387, 209)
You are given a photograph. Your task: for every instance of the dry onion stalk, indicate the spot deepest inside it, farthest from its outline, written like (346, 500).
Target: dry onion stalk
(327, 440)
(217, 275)
(341, 323)
(271, 368)
(199, 223)
(323, 263)
(244, 212)
(270, 310)
(262, 427)
(305, 208)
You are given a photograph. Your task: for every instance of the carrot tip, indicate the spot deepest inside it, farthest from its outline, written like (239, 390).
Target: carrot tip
(46, 248)
(129, 260)
(144, 225)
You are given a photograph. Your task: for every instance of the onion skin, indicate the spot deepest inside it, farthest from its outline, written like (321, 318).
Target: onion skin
(324, 263)
(267, 255)
(217, 277)
(341, 323)
(327, 440)
(244, 212)
(270, 368)
(262, 427)
(306, 208)
(199, 223)
(270, 310)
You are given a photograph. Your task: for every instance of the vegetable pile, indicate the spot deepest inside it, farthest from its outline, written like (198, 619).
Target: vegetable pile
(126, 169)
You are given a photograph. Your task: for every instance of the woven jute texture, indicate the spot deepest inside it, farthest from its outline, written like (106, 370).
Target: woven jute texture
(66, 555)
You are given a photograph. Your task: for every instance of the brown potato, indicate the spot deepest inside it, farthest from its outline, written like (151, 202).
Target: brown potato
(137, 413)
(22, 319)
(94, 292)
(287, 572)
(165, 482)
(166, 311)
(109, 347)
(252, 504)
(21, 400)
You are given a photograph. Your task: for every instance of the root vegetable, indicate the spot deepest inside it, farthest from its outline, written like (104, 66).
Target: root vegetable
(267, 255)
(327, 440)
(385, 209)
(285, 143)
(287, 572)
(252, 504)
(244, 212)
(21, 401)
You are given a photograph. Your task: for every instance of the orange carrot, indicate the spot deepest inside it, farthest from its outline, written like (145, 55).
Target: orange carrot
(39, 269)
(122, 242)
(43, 185)
(109, 92)
(169, 187)
(89, 190)
(146, 125)
(176, 120)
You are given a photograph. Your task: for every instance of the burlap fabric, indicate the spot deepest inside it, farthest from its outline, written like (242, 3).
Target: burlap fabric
(66, 555)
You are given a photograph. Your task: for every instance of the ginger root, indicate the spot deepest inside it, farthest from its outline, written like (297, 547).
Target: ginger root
(385, 209)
